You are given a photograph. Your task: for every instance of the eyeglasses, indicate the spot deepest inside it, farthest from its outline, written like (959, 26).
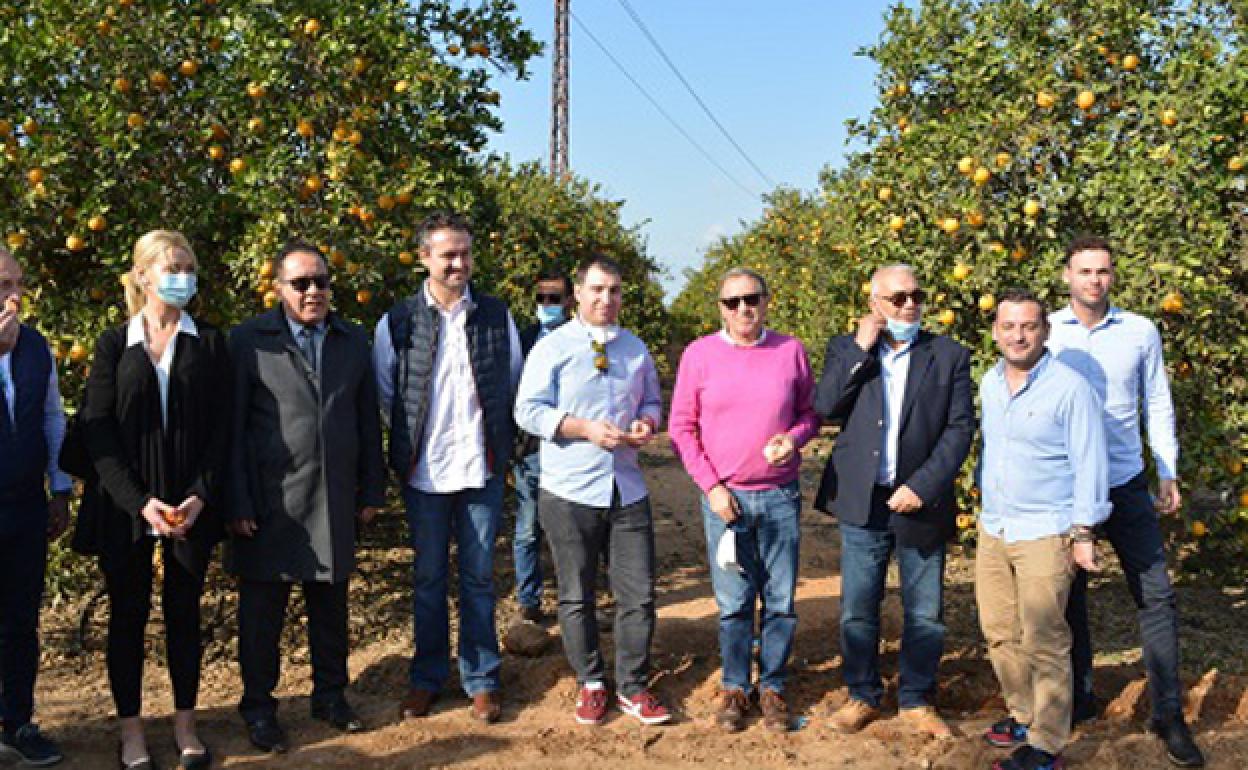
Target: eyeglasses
(600, 355)
(305, 282)
(899, 298)
(751, 300)
(550, 299)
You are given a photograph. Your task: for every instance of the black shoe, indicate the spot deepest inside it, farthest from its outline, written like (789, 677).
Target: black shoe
(1084, 709)
(339, 714)
(30, 746)
(532, 614)
(267, 735)
(1180, 747)
(195, 760)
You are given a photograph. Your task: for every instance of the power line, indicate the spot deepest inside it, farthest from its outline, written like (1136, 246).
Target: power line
(662, 111)
(688, 87)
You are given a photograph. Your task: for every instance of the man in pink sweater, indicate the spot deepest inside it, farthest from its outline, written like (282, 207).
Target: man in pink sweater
(742, 409)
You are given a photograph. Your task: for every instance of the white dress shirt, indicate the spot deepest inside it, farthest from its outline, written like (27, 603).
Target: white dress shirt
(137, 335)
(894, 368)
(452, 454)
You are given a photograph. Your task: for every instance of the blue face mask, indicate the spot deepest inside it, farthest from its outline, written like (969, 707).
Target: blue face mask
(176, 289)
(549, 314)
(903, 331)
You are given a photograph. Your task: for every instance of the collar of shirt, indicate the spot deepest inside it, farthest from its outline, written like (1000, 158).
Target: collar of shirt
(135, 334)
(297, 326)
(602, 334)
(1067, 316)
(998, 373)
(464, 303)
(726, 337)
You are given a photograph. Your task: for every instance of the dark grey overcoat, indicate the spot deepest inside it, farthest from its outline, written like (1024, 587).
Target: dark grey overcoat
(306, 453)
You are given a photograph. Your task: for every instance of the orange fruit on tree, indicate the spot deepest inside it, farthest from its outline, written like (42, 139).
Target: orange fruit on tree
(256, 90)
(1031, 209)
(406, 258)
(6, 127)
(218, 132)
(216, 152)
(269, 298)
(158, 80)
(267, 269)
(950, 225)
(402, 86)
(403, 198)
(966, 165)
(313, 183)
(1130, 62)
(122, 84)
(311, 27)
(1235, 163)
(1002, 159)
(355, 137)
(135, 121)
(1169, 118)
(385, 202)
(884, 193)
(363, 296)
(78, 352)
(1045, 100)
(961, 272)
(35, 175)
(358, 65)
(255, 125)
(896, 223)
(305, 129)
(1172, 303)
(30, 126)
(975, 219)
(1199, 529)
(987, 302)
(1085, 100)
(16, 240)
(188, 67)
(238, 165)
(981, 176)
(97, 223)
(75, 243)
(1243, 499)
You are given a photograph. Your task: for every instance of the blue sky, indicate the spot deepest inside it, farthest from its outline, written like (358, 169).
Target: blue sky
(781, 76)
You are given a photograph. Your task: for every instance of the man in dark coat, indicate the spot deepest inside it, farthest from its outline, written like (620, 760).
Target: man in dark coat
(307, 469)
(554, 308)
(903, 399)
(32, 427)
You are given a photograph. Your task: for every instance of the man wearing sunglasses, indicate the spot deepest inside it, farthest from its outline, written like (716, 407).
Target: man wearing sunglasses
(741, 446)
(591, 391)
(902, 397)
(306, 471)
(448, 359)
(554, 307)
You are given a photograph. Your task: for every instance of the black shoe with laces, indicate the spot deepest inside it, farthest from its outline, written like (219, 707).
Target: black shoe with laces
(339, 714)
(1180, 747)
(1026, 757)
(30, 746)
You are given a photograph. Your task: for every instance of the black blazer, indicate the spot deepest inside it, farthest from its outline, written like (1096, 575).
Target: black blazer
(136, 459)
(937, 426)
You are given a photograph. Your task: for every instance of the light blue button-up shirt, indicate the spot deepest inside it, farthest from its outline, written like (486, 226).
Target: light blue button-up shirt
(894, 370)
(1043, 468)
(560, 379)
(1121, 358)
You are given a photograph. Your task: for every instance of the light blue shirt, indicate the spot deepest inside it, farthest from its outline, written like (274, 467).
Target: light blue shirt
(894, 369)
(560, 379)
(1043, 468)
(1121, 358)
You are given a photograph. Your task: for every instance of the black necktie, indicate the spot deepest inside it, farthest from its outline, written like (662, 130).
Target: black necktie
(307, 343)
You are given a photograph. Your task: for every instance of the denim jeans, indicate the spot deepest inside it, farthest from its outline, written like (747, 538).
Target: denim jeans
(865, 553)
(1134, 531)
(579, 534)
(527, 545)
(472, 516)
(768, 537)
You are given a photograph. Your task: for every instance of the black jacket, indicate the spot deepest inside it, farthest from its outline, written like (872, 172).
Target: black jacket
(937, 426)
(136, 460)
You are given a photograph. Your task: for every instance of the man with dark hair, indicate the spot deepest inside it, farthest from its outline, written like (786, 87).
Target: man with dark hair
(32, 427)
(554, 302)
(1043, 479)
(306, 472)
(1120, 355)
(903, 399)
(447, 362)
(590, 390)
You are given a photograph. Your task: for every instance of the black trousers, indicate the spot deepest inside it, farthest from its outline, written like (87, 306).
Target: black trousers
(23, 553)
(261, 609)
(129, 584)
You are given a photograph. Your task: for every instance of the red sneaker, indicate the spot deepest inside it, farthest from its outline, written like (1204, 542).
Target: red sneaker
(645, 707)
(591, 706)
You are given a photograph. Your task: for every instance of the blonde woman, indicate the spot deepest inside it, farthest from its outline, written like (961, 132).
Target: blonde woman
(156, 417)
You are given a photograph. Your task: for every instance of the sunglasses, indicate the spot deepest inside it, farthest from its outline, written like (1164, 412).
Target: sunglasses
(899, 298)
(751, 300)
(549, 299)
(600, 355)
(305, 282)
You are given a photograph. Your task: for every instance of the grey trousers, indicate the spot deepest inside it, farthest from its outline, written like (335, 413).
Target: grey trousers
(578, 536)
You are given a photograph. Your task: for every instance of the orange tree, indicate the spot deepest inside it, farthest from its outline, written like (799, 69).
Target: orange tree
(241, 123)
(1003, 129)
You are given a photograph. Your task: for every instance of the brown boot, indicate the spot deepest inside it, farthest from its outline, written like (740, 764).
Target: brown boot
(775, 711)
(487, 707)
(926, 719)
(854, 716)
(417, 703)
(733, 706)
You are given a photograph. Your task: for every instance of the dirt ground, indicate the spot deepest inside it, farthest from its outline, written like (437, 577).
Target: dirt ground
(537, 730)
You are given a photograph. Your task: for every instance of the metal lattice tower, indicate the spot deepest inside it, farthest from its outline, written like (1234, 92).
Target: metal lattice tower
(559, 95)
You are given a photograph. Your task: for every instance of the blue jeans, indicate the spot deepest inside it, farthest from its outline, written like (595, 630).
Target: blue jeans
(1135, 533)
(473, 516)
(527, 545)
(768, 537)
(865, 553)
